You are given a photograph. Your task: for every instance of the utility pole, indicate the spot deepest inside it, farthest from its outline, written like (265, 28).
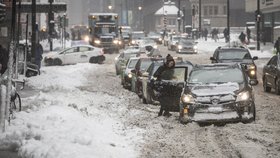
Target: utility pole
(18, 35)
(33, 19)
(228, 14)
(51, 24)
(126, 13)
(199, 13)
(179, 15)
(184, 19)
(258, 19)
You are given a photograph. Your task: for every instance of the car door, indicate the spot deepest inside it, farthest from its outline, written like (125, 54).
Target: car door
(84, 54)
(270, 71)
(70, 56)
(171, 84)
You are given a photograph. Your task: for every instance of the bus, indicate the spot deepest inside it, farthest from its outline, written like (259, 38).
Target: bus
(103, 31)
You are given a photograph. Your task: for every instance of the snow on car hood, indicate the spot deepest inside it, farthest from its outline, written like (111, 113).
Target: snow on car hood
(215, 89)
(51, 54)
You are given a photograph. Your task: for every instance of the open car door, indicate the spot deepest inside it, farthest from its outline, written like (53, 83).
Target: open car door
(170, 85)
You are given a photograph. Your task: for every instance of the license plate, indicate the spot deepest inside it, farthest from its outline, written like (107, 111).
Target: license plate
(215, 109)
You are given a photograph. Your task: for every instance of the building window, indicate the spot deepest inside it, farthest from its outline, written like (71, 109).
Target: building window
(210, 10)
(205, 10)
(216, 10)
(225, 10)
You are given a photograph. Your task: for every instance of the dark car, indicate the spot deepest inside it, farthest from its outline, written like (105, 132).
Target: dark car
(141, 66)
(170, 83)
(122, 59)
(271, 75)
(126, 75)
(186, 46)
(217, 93)
(237, 55)
(149, 95)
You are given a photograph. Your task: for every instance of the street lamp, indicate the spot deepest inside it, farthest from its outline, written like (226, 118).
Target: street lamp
(110, 7)
(139, 8)
(140, 17)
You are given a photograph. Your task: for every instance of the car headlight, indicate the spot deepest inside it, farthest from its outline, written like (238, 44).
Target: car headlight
(180, 47)
(115, 41)
(194, 47)
(97, 41)
(243, 96)
(86, 38)
(133, 42)
(252, 72)
(129, 75)
(187, 98)
(160, 39)
(155, 46)
(120, 42)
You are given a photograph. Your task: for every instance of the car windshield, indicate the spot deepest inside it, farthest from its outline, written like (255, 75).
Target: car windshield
(207, 76)
(234, 54)
(145, 63)
(175, 38)
(185, 42)
(132, 63)
(129, 55)
(138, 35)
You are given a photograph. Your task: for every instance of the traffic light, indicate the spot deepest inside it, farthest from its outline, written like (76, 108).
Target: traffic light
(165, 21)
(193, 11)
(258, 16)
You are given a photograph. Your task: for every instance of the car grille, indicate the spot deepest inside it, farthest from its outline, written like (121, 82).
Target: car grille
(106, 40)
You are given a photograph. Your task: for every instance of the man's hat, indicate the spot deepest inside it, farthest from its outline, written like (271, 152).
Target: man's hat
(169, 57)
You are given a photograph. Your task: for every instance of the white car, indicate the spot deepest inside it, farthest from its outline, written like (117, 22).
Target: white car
(76, 54)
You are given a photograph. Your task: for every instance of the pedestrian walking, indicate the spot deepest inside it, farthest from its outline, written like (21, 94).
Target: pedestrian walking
(205, 33)
(248, 33)
(242, 37)
(4, 58)
(226, 35)
(38, 55)
(277, 45)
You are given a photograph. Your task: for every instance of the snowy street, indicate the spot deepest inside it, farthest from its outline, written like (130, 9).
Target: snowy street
(82, 111)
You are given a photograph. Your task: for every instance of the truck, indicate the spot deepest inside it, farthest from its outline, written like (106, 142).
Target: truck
(104, 31)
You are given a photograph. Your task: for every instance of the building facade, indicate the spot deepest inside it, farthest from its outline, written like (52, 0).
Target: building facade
(270, 17)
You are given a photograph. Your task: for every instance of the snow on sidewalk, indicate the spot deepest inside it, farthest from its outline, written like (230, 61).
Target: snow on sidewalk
(62, 121)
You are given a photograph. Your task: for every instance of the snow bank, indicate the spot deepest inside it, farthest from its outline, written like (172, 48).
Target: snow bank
(64, 120)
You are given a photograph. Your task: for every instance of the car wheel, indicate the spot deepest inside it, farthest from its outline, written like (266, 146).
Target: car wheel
(277, 86)
(182, 119)
(49, 62)
(265, 86)
(93, 60)
(144, 101)
(57, 62)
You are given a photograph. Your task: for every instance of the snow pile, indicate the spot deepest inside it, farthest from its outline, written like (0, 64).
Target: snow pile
(65, 77)
(65, 120)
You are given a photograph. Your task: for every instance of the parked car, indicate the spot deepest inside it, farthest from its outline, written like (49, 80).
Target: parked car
(126, 75)
(171, 82)
(76, 54)
(271, 75)
(217, 93)
(186, 46)
(149, 94)
(237, 55)
(141, 66)
(124, 56)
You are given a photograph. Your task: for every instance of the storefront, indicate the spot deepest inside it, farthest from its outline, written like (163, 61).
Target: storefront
(270, 19)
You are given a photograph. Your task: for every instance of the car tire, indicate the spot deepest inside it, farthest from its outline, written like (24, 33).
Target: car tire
(265, 86)
(144, 101)
(252, 110)
(277, 86)
(182, 119)
(49, 62)
(57, 61)
(93, 60)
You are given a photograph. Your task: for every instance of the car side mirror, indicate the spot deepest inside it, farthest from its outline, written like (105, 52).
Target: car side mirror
(133, 71)
(255, 58)
(212, 58)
